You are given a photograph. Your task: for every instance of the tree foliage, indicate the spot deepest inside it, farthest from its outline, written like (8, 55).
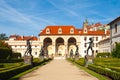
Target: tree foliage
(5, 50)
(116, 51)
(3, 36)
(4, 45)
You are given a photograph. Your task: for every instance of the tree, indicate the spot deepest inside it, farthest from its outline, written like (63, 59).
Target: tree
(3, 36)
(5, 50)
(116, 51)
(4, 45)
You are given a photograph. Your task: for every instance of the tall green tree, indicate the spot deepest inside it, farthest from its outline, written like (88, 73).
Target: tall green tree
(4, 45)
(3, 36)
(116, 51)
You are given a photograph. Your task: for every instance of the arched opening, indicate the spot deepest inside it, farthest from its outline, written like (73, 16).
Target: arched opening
(60, 47)
(71, 45)
(48, 45)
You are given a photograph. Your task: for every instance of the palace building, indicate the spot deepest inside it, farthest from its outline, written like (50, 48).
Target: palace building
(60, 40)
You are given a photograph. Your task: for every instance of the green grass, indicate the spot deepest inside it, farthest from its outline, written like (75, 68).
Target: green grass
(25, 72)
(114, 62)
(7, 66)
(100, 77)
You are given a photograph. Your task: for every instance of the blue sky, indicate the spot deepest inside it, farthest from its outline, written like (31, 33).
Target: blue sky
(29, 17)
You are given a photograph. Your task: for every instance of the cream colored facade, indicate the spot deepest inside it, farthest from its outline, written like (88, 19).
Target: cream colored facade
(20, 46)
(115, 32)
(60, 40)
(61, 48)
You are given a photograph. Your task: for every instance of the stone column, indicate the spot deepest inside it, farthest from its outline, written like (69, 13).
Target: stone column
(66, 50)
(53, 48)
(78, 43)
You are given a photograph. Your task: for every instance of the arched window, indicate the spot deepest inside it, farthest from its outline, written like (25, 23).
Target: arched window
(59, 30)
(72, 30)
(47, 31)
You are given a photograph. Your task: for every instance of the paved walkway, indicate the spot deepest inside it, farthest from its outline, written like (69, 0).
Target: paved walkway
(58, 69)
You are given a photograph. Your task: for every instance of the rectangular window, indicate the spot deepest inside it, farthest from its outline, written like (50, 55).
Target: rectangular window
(96, 38)
(96, 44)
(93, 44)
(115, 28)
(85, 38)
(85, 45)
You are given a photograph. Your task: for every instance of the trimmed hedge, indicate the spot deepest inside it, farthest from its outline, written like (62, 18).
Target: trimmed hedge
(81, 61)
(16, 55)
(117, 69)
(9, 67)
(5, 53)
(6, 74)
(105, 54)
(105, 62)
(10, 61)
(105, 71)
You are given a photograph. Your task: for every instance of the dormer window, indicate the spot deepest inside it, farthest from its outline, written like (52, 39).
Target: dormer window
(59, 30)
(47, 31)
(85, 30)
(72, 30)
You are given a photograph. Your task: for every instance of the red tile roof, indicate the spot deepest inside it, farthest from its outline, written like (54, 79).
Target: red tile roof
(98, 24)
(13, 36)
(54, 30)
(19, 38)
(66, 31)
(26, 38)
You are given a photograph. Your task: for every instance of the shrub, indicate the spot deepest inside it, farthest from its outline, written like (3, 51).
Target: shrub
(11, 60)
(105, 71)
(115, 62)
(5, 53)
(116, 51)
(107, 54)
(16, 55)
(7, 66)
(4, 75)
(81, 61)
(117, 69)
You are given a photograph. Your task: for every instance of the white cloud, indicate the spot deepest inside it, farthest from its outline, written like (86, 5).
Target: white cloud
(64, 8)
(9, 13)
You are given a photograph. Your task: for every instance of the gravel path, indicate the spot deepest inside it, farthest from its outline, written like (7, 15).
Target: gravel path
(58, 69)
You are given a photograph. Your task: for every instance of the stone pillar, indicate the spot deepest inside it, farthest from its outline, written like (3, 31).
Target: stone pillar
(66, 50)
(28, 60)
(53, 48)
(88, 60)
(78, 43)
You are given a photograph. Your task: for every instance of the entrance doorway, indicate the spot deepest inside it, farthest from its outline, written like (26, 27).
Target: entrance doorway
(72, 45)
(48, 45)
(60, 47)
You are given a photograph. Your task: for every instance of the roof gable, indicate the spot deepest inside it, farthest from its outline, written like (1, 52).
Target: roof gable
(54, 30)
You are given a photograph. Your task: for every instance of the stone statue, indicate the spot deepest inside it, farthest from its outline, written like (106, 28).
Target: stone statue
(90, 45)
(42, 53)
(88, 58)
(47, 56)
(28, 58)
(71, 53)
(29, 49)
(76, 53)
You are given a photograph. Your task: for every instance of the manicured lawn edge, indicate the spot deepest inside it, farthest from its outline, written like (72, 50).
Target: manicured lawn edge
(27, 71)
(100, 77)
